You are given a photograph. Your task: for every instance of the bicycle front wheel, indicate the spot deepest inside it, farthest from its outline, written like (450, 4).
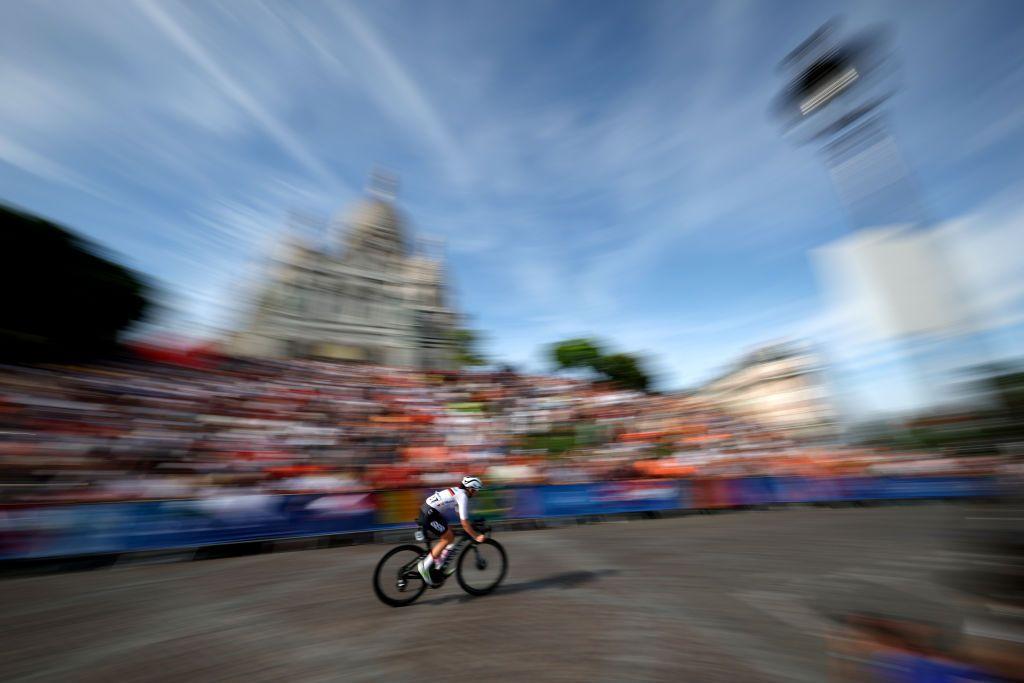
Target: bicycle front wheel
(482, 566)
(397, 581)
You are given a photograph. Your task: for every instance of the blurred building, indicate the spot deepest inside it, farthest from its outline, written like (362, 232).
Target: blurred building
(778, 386)
(379, 300)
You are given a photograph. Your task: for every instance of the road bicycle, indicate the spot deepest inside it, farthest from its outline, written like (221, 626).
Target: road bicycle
(479, 567)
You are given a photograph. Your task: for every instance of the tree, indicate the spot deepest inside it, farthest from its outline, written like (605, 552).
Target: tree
(623, 370)
(576, 353)
(1005, 384)
(62, 300)
(467, 348)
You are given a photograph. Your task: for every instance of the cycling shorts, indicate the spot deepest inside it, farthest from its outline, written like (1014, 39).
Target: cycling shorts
(432, 521)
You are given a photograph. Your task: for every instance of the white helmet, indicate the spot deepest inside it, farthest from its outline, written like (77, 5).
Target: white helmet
(472, 483)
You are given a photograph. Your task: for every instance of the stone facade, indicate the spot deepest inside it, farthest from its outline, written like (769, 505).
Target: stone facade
(779, 387)
(377, 302)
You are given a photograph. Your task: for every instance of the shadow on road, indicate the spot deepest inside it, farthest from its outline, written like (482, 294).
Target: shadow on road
(564, 581)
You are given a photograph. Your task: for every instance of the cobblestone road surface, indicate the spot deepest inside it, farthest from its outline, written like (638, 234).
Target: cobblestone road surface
(725, 597)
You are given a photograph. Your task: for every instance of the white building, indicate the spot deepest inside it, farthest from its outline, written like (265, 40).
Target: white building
(779, 387)
(377, 301)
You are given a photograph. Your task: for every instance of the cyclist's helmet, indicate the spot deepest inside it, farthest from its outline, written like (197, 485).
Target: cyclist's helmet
(472, 483)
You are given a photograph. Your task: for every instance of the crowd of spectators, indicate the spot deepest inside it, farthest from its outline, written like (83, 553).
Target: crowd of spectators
(144, 429)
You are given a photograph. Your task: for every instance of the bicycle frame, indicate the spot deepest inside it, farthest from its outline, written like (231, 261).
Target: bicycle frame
(460, 542)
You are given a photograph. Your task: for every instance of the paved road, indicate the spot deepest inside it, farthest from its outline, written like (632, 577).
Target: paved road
(726, 597)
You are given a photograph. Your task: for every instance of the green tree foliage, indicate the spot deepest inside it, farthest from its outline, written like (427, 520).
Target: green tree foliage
(622, 369)
(997, 418)
(1005, 383)
(61, 299)
(575, 353)
(467, 344)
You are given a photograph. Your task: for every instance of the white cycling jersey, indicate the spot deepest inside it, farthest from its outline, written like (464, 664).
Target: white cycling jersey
(446, 499)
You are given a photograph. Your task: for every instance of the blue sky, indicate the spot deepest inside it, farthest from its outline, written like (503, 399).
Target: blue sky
(594, 167)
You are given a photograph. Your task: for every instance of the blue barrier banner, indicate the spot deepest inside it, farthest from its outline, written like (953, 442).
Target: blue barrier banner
(153, 525)
(752, 491)
(794, 489)
(99, 528)
(897, 488)
(566, 499)
(859, 488)
(608, 498)
(526, 503)
(635, 496)
(686, 496)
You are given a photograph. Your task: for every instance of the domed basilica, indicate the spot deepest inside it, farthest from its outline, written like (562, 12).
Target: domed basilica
(378, 301)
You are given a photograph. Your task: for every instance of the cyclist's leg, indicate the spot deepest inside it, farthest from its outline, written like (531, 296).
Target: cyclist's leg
(434, 522)
(438, 526)
(446, 538)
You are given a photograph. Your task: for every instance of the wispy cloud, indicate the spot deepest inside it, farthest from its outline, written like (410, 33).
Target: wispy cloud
(397, 93)
(237, 92)
(38, 165)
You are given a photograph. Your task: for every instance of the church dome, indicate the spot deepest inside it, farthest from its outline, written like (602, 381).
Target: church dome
(375, 227)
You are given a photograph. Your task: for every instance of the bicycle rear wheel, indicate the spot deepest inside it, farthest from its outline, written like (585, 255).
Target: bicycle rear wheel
(482, 566)
(396, 580)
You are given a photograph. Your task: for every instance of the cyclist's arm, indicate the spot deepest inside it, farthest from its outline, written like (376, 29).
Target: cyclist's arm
(471, 532)
(467, 527)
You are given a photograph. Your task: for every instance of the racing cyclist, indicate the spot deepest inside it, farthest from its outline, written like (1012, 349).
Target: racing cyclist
(431, 517)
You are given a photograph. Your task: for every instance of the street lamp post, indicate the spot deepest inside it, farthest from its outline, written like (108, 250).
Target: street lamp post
(834, 99)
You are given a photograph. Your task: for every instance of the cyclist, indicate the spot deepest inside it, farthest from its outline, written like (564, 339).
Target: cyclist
(431, 518)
